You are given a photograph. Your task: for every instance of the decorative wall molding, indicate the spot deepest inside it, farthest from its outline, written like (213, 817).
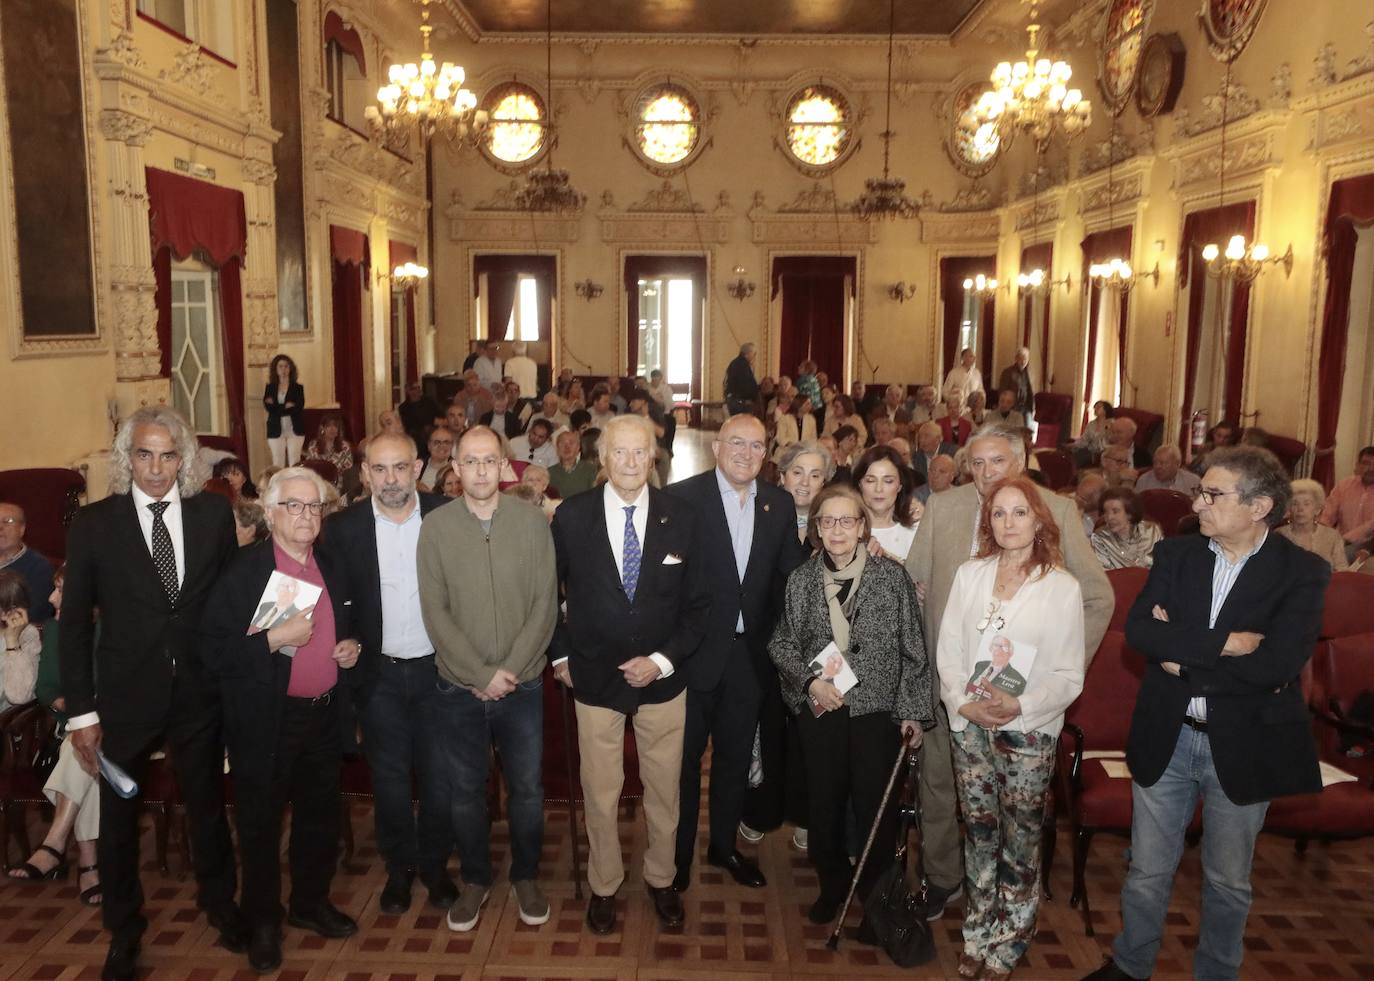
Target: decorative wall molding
(1339, 114)
(1117, 148)
(1281, 86)
(488, 224)
(1252, 146)
(974, 197)
(192, 69)
(1037, 214)
(1236, 100)
(812, 217)
(1129, 184)
(980, 227)
(1047, 175)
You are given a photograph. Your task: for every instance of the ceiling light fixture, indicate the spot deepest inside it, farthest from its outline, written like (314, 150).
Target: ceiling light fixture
(549, 189)
(885, 197)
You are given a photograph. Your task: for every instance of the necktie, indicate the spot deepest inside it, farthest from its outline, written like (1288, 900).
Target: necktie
(630, 577)
(164, 557)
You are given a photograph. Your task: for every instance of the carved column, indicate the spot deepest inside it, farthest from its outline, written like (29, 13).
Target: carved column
(260, 329)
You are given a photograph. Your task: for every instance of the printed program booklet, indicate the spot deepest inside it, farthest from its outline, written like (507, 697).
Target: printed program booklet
(830, 665)
(282, 598)
(1001, 663)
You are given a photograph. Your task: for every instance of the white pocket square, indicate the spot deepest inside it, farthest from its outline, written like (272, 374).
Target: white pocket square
(671, 559)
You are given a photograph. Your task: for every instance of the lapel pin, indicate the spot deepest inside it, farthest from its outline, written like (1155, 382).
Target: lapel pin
(663, 521)
(765, 507)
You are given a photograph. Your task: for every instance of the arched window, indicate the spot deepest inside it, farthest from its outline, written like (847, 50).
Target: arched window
(667, 124)
(819, 126)
(517, 130)
(1123, 36)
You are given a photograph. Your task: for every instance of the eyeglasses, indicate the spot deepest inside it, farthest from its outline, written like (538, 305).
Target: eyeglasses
(755, 447)
(848, 522)
(1210, 496)
(296, 508)
(10, 521)
(991, 618)
(486, 462)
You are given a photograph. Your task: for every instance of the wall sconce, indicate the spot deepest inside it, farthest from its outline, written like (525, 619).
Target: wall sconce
(980, 285)
(1117, 274)
(901, 291)
(741, 289)
(588, 290)
(1243, 262)
(1037, 283)
(406, 276)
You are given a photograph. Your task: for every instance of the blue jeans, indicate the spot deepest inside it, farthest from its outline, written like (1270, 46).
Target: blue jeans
(464, 730)
(1160, 818)
(396, 742)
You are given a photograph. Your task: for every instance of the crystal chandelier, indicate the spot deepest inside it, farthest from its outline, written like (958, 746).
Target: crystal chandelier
(428, 95)
(549, 189)
(1033, 94)
(885, 197)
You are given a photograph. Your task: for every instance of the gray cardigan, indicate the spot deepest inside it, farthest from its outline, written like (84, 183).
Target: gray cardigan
(886, 646)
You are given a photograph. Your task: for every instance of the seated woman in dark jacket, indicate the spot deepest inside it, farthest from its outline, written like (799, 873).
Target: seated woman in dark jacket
(866, 605)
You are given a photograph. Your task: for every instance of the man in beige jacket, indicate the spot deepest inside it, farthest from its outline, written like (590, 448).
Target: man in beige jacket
(945, 541)
(489, 596)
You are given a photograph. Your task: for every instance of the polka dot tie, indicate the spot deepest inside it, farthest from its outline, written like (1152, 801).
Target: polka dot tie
(630, 577)
(164, 556)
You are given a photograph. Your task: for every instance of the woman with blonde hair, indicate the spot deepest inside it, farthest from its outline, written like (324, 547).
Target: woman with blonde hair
(1303, 528)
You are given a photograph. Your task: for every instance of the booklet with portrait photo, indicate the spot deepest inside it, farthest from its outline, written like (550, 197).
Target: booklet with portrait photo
(282, 598)
(830, 665)
(1002, 664)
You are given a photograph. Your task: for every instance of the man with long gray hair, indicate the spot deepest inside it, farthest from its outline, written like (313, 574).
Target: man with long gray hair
(147, 557)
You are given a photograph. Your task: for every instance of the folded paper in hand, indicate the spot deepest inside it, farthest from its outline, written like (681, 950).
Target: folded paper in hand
(282, 598)
(120, 782)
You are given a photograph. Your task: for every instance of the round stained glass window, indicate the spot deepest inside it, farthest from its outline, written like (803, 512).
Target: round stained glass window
(818, 126)
(1123, 37)
(515, 133)
(668, 124)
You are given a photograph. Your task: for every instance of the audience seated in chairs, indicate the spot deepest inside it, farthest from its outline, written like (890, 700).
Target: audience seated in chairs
(330, 446)
(233, 470)
(1095, 436)
(16, 556)
(1125, 538)
(1167, 473)
(1303, 528)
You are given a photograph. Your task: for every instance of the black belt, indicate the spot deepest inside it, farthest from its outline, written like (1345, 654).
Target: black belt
(740, 635)
(1199, 725)
(406, 660)
(317, 702)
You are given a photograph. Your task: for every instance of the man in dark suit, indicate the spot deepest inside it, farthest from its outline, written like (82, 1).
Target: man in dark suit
(274, 612)
(1226, 622)
(637, 608)
(929, 444)
(147, 557)
(374, 545)
(741, 387)
(749, 542)
(1016, 378)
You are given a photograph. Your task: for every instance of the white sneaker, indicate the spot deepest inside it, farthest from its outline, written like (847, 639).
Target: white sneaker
(800, 839)
(749, 834)
(467, 908)
(529, 899)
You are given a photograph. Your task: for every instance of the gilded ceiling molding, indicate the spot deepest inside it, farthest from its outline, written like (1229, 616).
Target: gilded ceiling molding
(971, 228)
(497, 220)
(813, 218)
(666, 216)
(1119, 191)
(1235, 100)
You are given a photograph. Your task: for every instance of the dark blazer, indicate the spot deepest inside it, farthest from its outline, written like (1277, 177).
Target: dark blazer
(602, 629)
(740, 382)
(143, 637)
(1018, 380)
(921, 465)
(513, 427)
(350, 540)
(295, 394)
(1258, 723)
(252, 678)
(774, 553)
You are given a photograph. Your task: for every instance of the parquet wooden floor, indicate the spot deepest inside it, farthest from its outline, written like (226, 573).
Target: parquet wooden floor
(1313, 917)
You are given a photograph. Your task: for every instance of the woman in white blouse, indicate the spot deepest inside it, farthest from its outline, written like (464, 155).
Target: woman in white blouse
(795, 423)
(1010, 661)
(887, 486)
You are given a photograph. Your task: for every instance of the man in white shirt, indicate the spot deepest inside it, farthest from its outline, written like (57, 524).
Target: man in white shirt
(964, 377)
(488, 367)
(441, 442)
(548, 409)
(535, 446)
(601, 410)
(1168, 473)
(521, 369)
(927, 406)
(660, 391)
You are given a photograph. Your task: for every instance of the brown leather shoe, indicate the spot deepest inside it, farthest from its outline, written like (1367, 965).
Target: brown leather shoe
(668, 905)
(601, 914)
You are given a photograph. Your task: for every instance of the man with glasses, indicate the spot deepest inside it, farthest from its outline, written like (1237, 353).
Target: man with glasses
(749, 543)
(490, 597)
(374, 543)
(1226, 623)
(637, 609)
(18, 557)
(281, 708)
(441, 441)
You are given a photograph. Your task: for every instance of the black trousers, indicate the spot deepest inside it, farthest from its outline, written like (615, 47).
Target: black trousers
(782, 794)
(726, 715)
(191, 731)
(848, 759)
(303, 772)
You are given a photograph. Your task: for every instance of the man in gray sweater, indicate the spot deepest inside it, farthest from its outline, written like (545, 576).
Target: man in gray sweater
(489, 596)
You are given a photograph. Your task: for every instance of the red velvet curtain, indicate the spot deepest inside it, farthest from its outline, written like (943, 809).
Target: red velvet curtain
(350, 254)
(346, 37)
(639, 267)
(400, 253)
(953, 272)
(1099, 247)
(1351, 207)
(1215, 225)
(503, 274)
(1040, 257)
(189, 217)
(813, 300)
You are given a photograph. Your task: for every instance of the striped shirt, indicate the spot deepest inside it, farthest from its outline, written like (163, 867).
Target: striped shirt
(1224, 576)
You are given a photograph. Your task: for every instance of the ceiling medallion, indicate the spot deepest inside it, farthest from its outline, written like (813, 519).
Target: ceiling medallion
(548, 188)
(885, 197)
(1033, 94)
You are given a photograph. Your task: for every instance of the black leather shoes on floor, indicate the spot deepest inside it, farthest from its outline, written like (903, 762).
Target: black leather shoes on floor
(264, 949)
(668, 905)
(442, 891)
(601, 914)
(824, 909)
(1110, 972)
(745, 872)
(121, 963)
(683, 880)
(325, 920)
(396, 893)
(233, 929)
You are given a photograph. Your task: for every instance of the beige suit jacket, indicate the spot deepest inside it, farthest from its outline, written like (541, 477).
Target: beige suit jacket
(945, 539)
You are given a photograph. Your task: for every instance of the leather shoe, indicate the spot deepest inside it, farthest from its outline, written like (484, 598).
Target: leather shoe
(745, 872)
(442, 891)
(601, 914)
(396, 893)
(264, 949)
(121, 963)
(1110, 972)
(683, 880)
(233, 930)
(668, 905)
(325, 920)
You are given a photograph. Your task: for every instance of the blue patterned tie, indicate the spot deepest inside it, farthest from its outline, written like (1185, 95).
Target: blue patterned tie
(630, 577)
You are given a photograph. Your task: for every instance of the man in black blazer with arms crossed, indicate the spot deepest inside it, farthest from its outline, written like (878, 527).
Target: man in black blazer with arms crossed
(1226, 622)
(748, 534)
(637, 607)
(147, 557)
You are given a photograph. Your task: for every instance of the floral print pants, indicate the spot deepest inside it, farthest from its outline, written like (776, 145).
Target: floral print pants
(1002, 778)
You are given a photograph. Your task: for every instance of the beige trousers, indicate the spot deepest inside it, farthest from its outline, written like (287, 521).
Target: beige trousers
(658, 740)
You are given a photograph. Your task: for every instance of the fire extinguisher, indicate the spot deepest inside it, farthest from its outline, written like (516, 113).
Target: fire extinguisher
(1199, 436)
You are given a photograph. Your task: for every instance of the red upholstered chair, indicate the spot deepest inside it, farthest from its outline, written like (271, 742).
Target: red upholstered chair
(50, 497)
(1349, 606)
(24, 729)
(1126, 584)
(1052, 418)
(1289, 451)
(1057, 466)
(1146, 425)
(1166, 508)
(212, 442)
(1342, 668)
